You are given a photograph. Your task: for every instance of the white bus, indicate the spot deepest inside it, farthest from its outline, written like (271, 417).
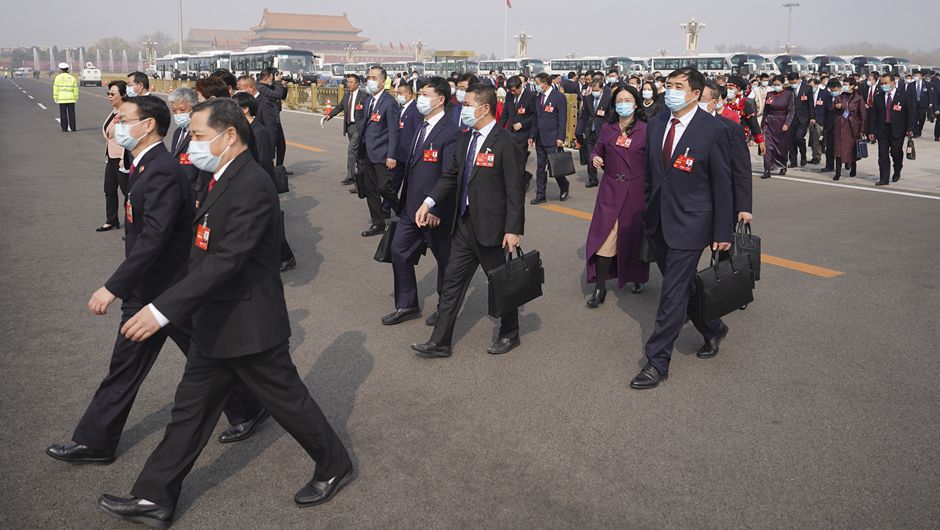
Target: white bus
(746, 64)
(794, 63)
(831, 64)
(511, 67)
(708, 64)
(173, 66)
(403, 67)
(204, 63)
(578, 65)
(296, 66)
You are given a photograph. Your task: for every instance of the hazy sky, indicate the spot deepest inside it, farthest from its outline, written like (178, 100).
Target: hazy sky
(596, 27)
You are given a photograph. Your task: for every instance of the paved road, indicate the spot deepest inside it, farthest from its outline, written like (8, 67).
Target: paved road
(820, 411)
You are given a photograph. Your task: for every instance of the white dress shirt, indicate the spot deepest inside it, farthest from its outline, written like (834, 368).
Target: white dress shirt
(351, 111)
(140, 156)
(484, 132)
(432, 121)
(680, 128)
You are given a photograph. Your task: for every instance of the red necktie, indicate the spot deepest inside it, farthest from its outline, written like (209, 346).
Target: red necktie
(212, 183)
(667, 146)
(871, 95)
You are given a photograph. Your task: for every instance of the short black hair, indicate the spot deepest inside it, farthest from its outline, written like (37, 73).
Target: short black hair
(543, 77)
(696, 78)
(834, 83)
(140, 77)
(777, 78)
(407, 87)
(225, 113)
(152, 107)
(439, 85)
(571, 75)
(122, 86)
(514, 82)
(380, 69)
(485, 95)
(212, 87)
(227, 77)
(469, 78)
(613, 71)
(353, 76)
(638, 112)
(793, 76)
(713, 86)
(247, 101)
(889, 76)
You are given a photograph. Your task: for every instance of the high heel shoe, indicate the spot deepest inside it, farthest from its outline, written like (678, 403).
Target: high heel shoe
(597, 298)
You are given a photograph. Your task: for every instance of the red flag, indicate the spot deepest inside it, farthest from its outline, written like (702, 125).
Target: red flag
(508, 4)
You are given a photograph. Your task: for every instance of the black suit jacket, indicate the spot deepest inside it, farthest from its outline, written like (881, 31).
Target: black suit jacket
(357, 110)
(264, 144)
(157, 241)
(902, 115)
(266, 114)
(512, 115)
(803, 104)
(496, 193)
(588, 115)
(740, 161)
(233, 289)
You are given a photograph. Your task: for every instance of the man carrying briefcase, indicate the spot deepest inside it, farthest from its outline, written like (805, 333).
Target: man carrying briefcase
(486, 173)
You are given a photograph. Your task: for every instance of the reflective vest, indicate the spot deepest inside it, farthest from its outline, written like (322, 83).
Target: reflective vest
(65, 88)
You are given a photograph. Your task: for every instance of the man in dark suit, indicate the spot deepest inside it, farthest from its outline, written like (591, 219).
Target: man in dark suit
(821, 124)
(464, 81)
(592, 117)
(430, 153)
(380, 139)
(690, 205)
(570, 85)
(935, 105)
(485, 173)
(518, 118)
(353, 111)
(919, 92)
(739, 159)
(266, 114)
(272, 86)
(234, 294)
(158, 214)
(803, 103)
(548, 135)
(408, 124)
(182, 100)
(891, 119)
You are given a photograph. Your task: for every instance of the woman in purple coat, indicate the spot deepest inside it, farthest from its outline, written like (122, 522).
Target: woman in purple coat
(778, 116)
(613, 241)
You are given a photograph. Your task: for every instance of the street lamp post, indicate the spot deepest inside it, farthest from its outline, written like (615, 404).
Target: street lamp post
(692, 29)
(789, 5)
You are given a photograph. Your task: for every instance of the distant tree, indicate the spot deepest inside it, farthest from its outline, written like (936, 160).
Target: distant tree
(117, 44)
(165, 42)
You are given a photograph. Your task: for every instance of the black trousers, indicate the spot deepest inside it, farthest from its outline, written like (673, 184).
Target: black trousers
(920, 114)
(541, 174)
(378, 183)
(114, 178)
(286, 252)
(407, 240)
(280, 145)
(798, 142)
(889, 148)
(67, 116)
(676, 300)
(270, 375)
(522, 142)
(466, 254)
(590, 140)
(104, 419)
(829, 145)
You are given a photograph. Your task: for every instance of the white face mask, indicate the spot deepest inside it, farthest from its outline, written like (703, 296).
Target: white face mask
(461, 94)
(423, 104)
(122, 134)
(200, 154)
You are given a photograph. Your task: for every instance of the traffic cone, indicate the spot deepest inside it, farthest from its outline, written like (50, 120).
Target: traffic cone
(329, 107)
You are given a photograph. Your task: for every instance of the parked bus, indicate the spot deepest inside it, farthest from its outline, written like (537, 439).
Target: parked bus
(511, 67)
(579, 65)
(865, 64)
(444, 68)
(899, 65)
(626, 65)
(403, 67)
(794, 63)
(711, 64)
(173, 66)
(831, 64)
(752, 64)
(204, 63)
(295, 65)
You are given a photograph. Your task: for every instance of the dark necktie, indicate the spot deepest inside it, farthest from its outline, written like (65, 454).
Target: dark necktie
(420, 142)
(667, 146)
(347, 113)
(542, 101)
(468, 167)
(597, 102)
(888, 109)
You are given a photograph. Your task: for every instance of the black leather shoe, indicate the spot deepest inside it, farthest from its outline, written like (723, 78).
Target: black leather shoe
(853, 171)
(836, 176)
(597, 298)
(766, 174)
(503, 345)
(107, 228)
(79, 454)
(649, 377)
(802, 162)
(354, 189)
(432, 320)
(882, 183)
(347, 182)
(638, 288)
(815, 161)
(827, 169)
(373, 230)
(401, 315)
(563, 196)
(710, 348)
(130, 509)
(288, 265)
(537, 200)
(791, 164)
(895, 178)
(783, 171)
(432, 348)
(243, 431)
(319, 491)
(592, 184)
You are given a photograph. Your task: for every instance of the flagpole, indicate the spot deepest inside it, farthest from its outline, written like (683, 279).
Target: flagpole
(505, 31)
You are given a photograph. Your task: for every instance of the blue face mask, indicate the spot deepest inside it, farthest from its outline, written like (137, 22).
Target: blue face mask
(625, 109)
(468, 116)
(200, 154)
(885, 88)
(182, 120)
(131, 93)
(401, 100)
(539, 89)
(372, 86)
(596, 94)
(675, 99)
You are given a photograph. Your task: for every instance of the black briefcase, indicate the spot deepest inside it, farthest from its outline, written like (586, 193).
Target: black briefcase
(861, 149)
(383, 253)
(747, 243)
(280, 179)
(515, 283)
(560, 164)
(911, 152)
(360, 177)
(723, 287)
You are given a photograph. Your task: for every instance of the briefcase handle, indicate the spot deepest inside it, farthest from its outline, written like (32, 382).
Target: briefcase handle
(745, 230)
(714, 265)
(519, 256)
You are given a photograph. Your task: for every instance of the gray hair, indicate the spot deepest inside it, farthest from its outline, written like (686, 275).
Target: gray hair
(184, 94)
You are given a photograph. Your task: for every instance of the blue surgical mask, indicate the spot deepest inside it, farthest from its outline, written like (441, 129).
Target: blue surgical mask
(596, 94)
(647, 94)
(200, 154)
(778, 88)
(675, 99)
(468, 116)
(122, 135)
(401, 100)
(131, 93)
(836, 91)
(885, 88)
(625, 109)
(423, 104)
(182, 120)
(460, 95)
(372, 86)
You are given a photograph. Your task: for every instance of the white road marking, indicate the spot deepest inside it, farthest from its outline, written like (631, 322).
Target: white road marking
(30, 97)
(859, 188)
(58, 120)
(41, 105)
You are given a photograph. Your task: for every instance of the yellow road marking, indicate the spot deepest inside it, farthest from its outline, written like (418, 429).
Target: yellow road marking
(798, 266)
(306, 147)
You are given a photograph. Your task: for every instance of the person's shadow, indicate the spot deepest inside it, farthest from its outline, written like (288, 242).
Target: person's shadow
(304, 239)
(334, 380)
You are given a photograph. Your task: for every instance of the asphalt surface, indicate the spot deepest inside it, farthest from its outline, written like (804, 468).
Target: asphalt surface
(821, 411)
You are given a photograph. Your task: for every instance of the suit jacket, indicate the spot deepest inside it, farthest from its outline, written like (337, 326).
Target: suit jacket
(157, 239)
(823, 109)
(902, 115)
(409, 122)
(803, 104)
(267, 114)
(519, 110)
(264, 143)
(275, 93)
(550, 126)
(589, 116)
(380, 135)
(926, 89)
(740, 161)
(179, 149)
(495, 193)
(696, 208)
(421, 176)
(357, 112)
(571, 87)
(233, 289)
